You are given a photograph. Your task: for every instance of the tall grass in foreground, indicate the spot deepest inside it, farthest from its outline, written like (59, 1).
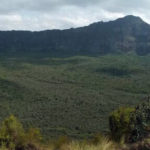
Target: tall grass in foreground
(103, 144)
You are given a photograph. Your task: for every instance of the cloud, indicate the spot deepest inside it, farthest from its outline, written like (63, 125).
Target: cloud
(62, 14)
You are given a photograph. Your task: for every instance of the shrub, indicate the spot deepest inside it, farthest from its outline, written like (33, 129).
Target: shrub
(119, 122)
(140, 122)
(13, 135)
(132, 124)
(11, 132)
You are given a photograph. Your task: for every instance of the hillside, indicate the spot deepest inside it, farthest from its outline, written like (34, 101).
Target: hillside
(70, 95)
(120, 36)
(61, 81)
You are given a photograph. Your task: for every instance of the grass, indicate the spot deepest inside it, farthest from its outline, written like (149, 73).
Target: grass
(104, 145)
(70, 95)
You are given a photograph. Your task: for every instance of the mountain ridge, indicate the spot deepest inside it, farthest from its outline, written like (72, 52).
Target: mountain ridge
(122, 35)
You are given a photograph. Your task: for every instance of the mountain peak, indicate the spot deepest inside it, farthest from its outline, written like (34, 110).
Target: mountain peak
(131, 19)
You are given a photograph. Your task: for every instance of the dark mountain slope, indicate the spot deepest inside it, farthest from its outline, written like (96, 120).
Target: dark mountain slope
(122, 35)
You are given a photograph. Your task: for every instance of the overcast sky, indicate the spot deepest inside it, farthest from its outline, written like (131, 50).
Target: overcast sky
(62, 14)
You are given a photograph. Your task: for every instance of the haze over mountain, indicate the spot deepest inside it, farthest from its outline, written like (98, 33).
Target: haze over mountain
(122, 35)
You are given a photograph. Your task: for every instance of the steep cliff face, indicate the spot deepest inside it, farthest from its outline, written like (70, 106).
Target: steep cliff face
(122, 35)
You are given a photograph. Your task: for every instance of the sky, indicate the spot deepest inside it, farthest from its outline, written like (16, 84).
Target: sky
(38, 15)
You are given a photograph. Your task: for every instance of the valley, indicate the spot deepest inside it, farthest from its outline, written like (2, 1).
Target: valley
(71, 95)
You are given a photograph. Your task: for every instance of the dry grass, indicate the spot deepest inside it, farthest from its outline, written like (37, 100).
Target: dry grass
(105, 144)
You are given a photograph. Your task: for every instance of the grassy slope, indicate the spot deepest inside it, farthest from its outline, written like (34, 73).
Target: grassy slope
(72, 95)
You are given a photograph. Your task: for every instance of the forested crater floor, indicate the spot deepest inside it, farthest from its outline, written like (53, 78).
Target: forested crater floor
(71, 95)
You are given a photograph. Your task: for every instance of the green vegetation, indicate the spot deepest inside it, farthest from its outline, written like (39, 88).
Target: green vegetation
(13, 136)
(70, 95)
(131, 124)
(120, 121)
(140, 122)
(123, 123)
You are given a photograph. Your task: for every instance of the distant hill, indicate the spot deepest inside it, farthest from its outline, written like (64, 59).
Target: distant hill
(122, 35)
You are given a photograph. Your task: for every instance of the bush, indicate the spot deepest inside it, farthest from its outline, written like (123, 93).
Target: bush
(140, 122)
(131, 123)
(119, 122)
(13, 135)
(11, 132)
